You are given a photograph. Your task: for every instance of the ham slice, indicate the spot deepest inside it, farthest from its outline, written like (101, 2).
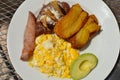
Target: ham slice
(43, 24)
(29, 38)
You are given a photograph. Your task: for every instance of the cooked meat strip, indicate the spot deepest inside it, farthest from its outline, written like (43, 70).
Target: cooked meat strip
(43, 24)
(64, 6)
(29, 38)
(40, 29)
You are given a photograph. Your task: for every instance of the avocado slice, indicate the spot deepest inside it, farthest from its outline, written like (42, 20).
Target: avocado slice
(83, 65)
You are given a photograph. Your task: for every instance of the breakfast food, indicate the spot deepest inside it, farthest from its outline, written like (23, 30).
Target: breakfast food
(52, 58)
(51, 13)
(71, 23)
(81, 38)
(43, 24)
(29, 38)
(40, 29)
(52, 40)
(83, 65)
(78, 27)
(64, 27)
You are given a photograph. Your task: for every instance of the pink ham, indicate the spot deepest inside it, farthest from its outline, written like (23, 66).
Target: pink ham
(29, 38)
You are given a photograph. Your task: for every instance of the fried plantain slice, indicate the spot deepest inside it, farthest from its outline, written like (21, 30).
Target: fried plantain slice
(81, 38)
(76, 26)
(92, 18)
(63, 27)
(93, 28)
(92, 25)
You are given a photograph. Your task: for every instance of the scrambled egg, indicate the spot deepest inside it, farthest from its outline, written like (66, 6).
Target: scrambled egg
(53, 55)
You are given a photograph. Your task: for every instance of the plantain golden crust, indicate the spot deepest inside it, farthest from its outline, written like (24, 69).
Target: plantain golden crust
(64, 28)
(93, 28)
(92, 25)
(81, 38)
(92, 18)
(77, 25)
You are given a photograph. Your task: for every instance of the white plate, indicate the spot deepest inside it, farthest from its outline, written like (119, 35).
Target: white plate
(105, 45)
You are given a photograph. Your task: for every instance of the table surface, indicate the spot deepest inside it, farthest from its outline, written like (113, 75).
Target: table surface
(7, 9)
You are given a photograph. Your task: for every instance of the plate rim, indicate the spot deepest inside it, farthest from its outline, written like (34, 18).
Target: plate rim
(24, 2)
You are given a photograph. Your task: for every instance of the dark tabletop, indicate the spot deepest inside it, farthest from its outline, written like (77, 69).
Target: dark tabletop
(7, 9)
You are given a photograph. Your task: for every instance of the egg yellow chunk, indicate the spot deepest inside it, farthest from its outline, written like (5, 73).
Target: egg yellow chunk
(53, 55)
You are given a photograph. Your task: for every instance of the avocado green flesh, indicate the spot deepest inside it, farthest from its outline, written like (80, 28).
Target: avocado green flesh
(83, 65)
